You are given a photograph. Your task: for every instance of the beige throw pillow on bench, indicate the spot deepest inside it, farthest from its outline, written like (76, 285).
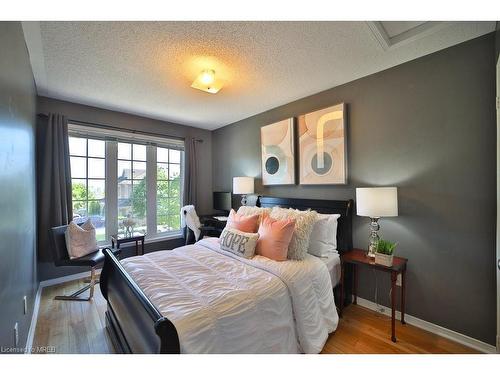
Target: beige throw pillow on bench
(80, 241)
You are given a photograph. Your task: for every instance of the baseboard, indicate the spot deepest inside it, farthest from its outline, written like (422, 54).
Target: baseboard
(431, 327)
(63, 279)
(34, 319)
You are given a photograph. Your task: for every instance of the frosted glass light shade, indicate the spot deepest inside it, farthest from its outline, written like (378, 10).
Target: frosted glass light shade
(377, 202)
(243, 185)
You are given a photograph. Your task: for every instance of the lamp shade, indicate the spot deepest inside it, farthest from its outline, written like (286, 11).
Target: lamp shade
(377, 201)
(243, 185)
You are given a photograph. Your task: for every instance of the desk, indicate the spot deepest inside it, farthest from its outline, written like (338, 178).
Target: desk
(213, 222)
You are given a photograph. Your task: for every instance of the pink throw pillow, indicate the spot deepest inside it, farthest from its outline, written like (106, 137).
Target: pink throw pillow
(274, 238)
(248, 224)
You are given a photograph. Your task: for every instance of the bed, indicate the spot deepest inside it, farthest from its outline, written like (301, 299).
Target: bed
(200, 299)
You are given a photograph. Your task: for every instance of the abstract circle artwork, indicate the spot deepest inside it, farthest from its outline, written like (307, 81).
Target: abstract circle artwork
(322, 146)
(278, 160)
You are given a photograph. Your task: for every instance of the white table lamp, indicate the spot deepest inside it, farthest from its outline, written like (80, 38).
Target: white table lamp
(376, 202)
(243, 186)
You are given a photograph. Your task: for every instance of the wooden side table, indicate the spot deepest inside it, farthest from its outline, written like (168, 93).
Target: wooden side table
(136, 237)
(358, 257)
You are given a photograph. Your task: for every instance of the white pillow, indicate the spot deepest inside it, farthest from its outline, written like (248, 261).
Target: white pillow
(80, 241)
(254, 210)
(323, 239)
(304, 222)
(238, 242)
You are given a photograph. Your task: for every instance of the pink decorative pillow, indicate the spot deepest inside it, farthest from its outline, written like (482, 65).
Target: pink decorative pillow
(248, 224)
(274, 238)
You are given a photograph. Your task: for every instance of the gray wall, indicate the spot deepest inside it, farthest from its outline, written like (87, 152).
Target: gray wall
(17, 185)
(130, 122)
(428, 127)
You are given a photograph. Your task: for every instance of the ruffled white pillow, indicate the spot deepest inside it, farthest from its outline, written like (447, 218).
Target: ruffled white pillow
(80, 241)
(304, 222)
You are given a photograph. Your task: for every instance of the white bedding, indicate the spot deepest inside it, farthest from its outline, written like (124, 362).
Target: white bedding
(222, 303)
(332, 263)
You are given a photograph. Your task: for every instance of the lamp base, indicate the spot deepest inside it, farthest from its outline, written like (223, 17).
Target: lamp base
(244, 200)
(374, 237)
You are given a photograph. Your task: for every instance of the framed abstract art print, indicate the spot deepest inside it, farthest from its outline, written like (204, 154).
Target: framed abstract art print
(278, 153)
(322, 146)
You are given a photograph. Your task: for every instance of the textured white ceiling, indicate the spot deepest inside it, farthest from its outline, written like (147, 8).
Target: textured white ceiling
(146, 68)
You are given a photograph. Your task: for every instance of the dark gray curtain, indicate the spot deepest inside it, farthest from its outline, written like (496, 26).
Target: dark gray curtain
(53, 179)
(191, 170)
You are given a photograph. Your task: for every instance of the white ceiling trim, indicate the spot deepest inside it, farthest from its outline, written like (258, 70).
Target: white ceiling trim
(33, 34)
(418, 32)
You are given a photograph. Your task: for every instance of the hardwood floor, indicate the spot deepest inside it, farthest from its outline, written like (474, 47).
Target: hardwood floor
(72, 326)
(78, 327)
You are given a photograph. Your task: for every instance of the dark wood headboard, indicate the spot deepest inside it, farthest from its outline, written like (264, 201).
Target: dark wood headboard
(344, 208)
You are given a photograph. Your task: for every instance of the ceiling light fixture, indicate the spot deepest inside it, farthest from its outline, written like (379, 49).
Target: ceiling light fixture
(206, 82)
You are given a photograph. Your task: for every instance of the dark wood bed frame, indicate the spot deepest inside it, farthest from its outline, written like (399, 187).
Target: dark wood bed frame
(135, 325)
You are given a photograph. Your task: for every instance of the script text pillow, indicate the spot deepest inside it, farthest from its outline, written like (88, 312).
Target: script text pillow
(238, 242)
(80, 241)
(274, 238)
(323, 240)
(304, 222)
(243, 223)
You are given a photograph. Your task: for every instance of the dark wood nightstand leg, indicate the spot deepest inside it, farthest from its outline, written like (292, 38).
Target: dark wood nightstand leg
(142, 247)
(355, 282)
(403, 296)
(341, 303)
(394, 277)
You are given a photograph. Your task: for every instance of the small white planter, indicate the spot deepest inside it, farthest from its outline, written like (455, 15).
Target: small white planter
(383, 259)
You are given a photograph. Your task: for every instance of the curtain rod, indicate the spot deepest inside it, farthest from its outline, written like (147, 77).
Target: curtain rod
(111, 127)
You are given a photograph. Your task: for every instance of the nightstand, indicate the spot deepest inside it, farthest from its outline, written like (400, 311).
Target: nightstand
(358, 257)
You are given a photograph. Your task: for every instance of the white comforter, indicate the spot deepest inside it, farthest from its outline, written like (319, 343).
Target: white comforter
(221, 303)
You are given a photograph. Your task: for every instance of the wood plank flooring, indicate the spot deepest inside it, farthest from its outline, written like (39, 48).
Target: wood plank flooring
(78, 327)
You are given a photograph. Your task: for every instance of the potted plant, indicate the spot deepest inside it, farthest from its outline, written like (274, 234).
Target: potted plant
(384, 252)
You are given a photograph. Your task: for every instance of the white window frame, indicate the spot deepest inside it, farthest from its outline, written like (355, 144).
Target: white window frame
(112, 138)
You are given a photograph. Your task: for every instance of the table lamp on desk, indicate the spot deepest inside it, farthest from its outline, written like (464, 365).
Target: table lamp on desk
(243, 186)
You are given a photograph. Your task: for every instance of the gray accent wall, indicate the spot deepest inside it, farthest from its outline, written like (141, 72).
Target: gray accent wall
(79, 112)
(428, 127)
(17, 186)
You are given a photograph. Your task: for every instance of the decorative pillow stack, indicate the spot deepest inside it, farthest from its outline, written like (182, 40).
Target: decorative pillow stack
(283, 233)
(80, 241)
(239, 243)
(304, 222)
(323, 240)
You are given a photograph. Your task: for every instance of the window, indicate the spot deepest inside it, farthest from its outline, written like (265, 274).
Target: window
(132, 185)
(123, 176)
(88, 176)
(168, 175)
